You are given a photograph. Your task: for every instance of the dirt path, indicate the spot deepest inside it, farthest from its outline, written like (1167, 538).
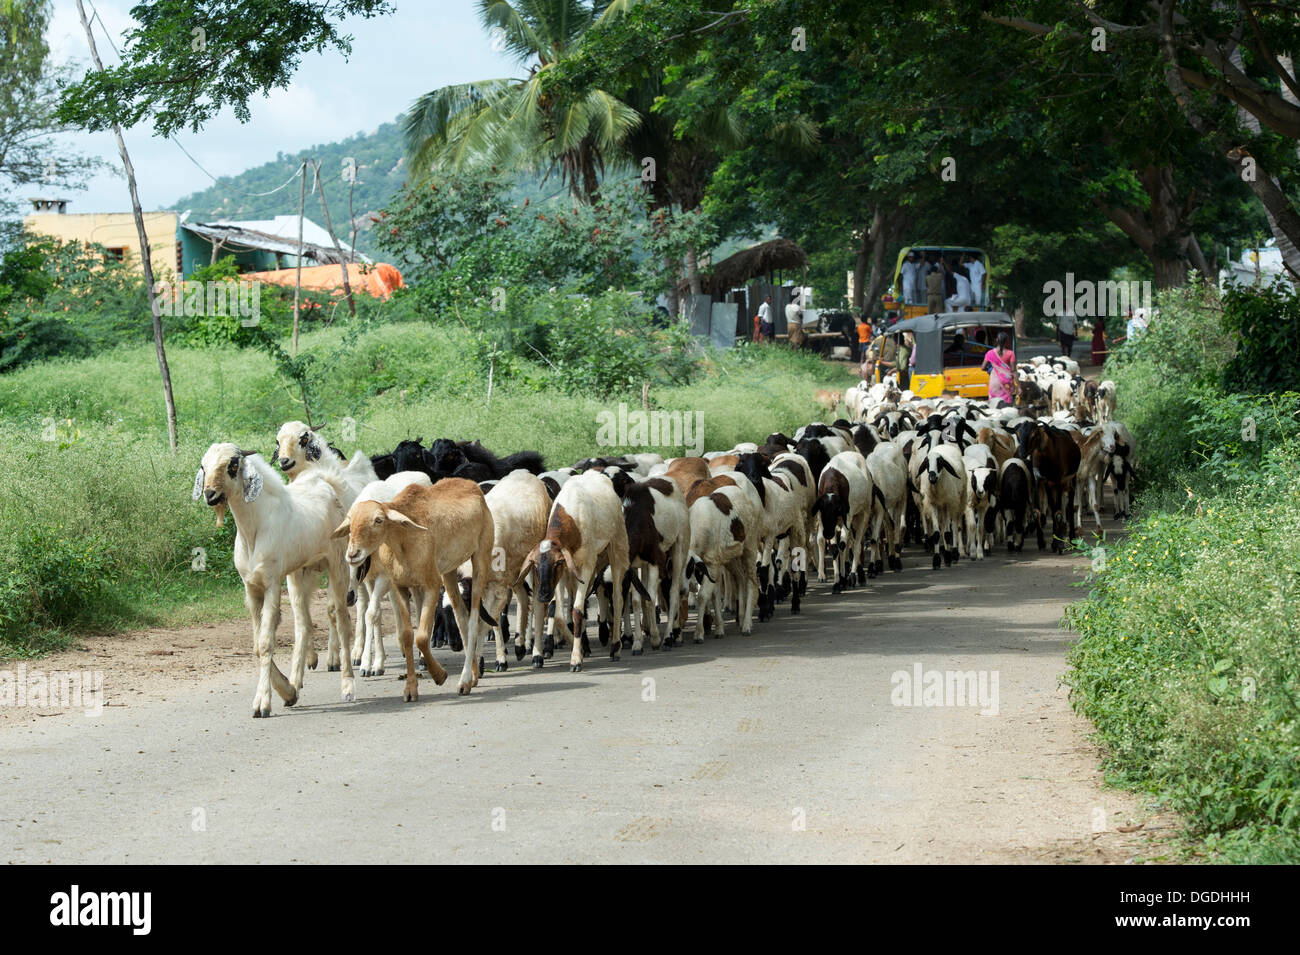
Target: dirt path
(786, 745)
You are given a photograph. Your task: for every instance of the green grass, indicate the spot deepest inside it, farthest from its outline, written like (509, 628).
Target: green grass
(97, 528)
(1188, 654)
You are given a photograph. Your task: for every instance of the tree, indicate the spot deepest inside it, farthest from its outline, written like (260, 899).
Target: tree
(189, 59)
(29, 96)
(146, 264)
(514, 122)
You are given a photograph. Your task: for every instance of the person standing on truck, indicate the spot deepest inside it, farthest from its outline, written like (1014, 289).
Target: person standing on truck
(975, 268)
(911, 274)
(934, 292)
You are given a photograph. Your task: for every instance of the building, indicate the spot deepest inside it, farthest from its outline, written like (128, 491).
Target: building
(179, 247)
(115, 231)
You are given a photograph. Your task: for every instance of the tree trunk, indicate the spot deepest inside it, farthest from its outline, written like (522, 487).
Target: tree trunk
(674, 300)
(693, 272)
(861, 263)
(1163, 230)
(343, 264)
(146, 261)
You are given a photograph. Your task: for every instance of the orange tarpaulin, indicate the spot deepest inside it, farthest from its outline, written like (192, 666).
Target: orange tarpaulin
(378, 280)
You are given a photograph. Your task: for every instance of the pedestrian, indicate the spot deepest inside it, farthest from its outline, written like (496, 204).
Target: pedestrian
(934, 292)
(864, 336)
(1001, 363)
(1137, 324)
(794, 322)
(1099, 349)
(767, 327)
(1066, 325)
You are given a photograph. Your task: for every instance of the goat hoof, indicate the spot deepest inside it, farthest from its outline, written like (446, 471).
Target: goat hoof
(794, 605)
(627, 640)
(586, 646)
(379, 672)
(575, 667)
(258, 714)
(364, 672)
(936, 562)
(463, 689)
(637, 653)
(502, 666)
(457, 645)
(537, 663)
(334, 668)
(519, 652)
(292, 700)
(603, 632)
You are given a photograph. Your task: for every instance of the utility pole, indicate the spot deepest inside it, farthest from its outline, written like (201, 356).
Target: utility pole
(145, 259)
(343, 262)
(297, 277)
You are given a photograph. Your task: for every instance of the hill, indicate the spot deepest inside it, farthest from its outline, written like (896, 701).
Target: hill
(381, 170)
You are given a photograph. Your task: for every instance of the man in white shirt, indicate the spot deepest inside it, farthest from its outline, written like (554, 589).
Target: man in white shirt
(765, 326)
(960, 301)
(912, 276)
(794, 321)
(975, 268)
(1066, 325)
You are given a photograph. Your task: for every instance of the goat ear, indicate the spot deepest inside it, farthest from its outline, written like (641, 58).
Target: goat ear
(252, 483)
(343, 530)
(529, 563)
(397, 517)
(198, 484)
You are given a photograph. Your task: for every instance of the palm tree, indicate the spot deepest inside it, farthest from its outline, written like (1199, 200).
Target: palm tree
(514, 122)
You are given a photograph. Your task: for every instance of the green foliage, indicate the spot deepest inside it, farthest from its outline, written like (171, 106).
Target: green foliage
(1266, 323)
(189, 59)
(1186, 660)
(67, 299)
(1190, 678)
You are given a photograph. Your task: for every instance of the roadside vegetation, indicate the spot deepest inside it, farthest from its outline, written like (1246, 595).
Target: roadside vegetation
(1188, 654)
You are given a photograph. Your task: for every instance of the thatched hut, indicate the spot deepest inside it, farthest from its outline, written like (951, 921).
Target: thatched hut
(760, 261)
(731, 290)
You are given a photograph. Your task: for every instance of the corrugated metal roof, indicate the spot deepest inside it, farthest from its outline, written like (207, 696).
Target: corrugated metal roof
(278, 235)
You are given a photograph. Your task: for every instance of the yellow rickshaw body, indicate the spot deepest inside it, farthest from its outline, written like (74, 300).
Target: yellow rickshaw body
(938, 371)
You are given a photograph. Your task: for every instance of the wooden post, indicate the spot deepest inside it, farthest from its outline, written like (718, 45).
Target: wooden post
(343, 264)
(297, 276)
(145, 260)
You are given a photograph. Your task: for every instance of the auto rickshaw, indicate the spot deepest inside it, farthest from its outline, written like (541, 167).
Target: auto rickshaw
(950, 347)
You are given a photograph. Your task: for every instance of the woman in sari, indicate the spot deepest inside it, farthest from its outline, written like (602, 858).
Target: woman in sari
(1001, 363)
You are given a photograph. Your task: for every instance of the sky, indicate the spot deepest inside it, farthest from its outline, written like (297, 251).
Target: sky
(424, 45)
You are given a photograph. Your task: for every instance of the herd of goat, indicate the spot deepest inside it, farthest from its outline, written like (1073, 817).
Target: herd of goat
(450, 533)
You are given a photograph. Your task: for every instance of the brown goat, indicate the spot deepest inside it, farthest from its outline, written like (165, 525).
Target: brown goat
(420, 538)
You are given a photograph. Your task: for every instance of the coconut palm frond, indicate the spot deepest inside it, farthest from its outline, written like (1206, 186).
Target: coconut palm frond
(443, 115)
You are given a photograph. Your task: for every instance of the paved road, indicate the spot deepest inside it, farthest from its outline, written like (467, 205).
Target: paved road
(781, 746)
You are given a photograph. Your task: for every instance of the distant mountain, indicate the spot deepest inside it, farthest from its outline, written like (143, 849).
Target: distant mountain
(380, 160)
